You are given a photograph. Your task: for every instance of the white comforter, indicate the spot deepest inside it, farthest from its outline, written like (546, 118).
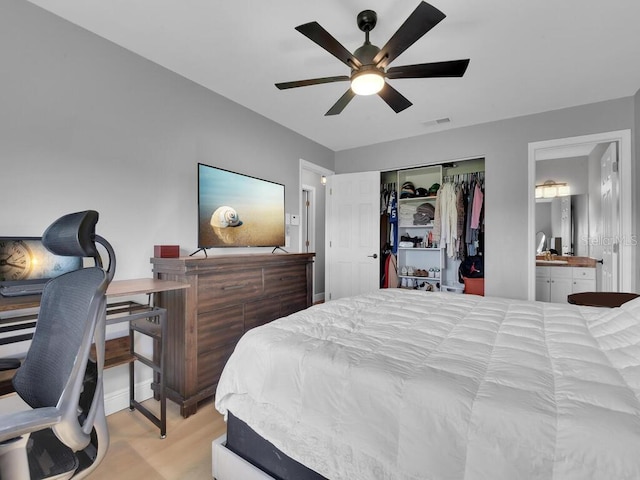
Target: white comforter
(402, 384)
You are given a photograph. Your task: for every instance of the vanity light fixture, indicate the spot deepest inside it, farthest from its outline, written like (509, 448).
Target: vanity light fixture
(551, 189)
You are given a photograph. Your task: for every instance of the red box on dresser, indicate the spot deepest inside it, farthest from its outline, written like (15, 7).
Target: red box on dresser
(166, 251)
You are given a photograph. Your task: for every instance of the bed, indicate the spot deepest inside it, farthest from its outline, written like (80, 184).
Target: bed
(403, 384)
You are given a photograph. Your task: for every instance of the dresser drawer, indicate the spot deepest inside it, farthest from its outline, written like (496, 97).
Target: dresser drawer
(584, 273)
(210, 365)
(226, 288)
(261, 312)
(293, 303)
(280, 280)
(220, 327)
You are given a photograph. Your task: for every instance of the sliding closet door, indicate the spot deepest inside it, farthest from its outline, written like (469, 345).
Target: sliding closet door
(353, 234)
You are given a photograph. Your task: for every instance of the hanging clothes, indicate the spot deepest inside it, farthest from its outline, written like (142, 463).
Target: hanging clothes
(476, 211)
(478, 198)
(391, 272)
(445, 230)
(460, 224)
(393, 222)
(469, 205)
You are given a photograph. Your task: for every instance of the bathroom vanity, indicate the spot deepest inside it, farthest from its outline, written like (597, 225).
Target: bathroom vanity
(561, 276)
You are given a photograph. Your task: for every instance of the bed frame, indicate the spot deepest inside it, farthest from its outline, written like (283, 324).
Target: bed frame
(242, 453)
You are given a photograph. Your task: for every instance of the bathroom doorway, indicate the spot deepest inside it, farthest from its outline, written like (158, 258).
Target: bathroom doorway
(613, 241)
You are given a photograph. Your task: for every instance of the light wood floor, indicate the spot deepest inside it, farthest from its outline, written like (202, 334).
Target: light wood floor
(137, 452)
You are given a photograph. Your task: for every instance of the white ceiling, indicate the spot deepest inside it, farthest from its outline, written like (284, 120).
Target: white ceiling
(526, 57)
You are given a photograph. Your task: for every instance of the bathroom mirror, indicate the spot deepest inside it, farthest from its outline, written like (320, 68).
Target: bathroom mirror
(541, 240)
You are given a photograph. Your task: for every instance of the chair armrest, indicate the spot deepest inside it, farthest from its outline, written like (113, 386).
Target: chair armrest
(16, 424)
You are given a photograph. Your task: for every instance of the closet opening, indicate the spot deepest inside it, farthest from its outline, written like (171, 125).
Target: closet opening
(432, 227)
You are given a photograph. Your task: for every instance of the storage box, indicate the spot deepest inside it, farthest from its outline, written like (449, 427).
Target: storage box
(166, 251)
(474, 286)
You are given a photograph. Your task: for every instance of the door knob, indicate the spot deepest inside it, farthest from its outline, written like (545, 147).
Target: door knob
(375, 255)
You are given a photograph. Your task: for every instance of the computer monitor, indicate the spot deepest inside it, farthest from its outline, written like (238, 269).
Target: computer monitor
(25, 260)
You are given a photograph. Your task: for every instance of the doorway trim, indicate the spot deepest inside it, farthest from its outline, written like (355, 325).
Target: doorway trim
(318, 266)
(541, 148)
(309, 216)
(312, 167)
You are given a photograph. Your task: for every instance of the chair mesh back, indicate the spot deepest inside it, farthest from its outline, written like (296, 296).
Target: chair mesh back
(68, 311)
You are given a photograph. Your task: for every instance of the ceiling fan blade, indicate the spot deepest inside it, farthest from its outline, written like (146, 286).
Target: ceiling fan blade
(312, 81)
(423, 19)
(342, 102)
(394, 99)
(452, 68)
(313, 31)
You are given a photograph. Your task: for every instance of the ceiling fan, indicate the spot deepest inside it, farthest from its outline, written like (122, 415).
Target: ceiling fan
(369, 63)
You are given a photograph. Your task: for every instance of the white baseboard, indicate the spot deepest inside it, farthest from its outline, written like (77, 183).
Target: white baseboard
(119, 400)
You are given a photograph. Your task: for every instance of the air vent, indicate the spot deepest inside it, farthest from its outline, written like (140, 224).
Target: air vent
(439, 121)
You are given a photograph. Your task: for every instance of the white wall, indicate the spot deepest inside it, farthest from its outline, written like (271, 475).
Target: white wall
(85, 124)
(504, 146)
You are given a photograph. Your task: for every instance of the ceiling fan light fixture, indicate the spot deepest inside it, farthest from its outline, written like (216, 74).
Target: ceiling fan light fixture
(367, 82)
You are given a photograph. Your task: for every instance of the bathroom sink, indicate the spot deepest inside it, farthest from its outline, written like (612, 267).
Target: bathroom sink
(552, 262)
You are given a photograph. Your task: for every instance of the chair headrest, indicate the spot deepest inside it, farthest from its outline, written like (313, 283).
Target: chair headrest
(73, 235)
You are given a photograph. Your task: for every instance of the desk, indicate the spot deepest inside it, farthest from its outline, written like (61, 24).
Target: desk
(117, 288)
(118, 350)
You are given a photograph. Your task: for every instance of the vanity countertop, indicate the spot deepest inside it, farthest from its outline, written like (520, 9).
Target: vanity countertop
(565, 261)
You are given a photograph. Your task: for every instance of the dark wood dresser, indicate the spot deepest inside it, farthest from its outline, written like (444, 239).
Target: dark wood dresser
(229, 295)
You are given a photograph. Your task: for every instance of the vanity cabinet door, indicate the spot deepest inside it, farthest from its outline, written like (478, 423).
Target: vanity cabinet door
(584, 280)
(561, 288)
(561, 284)
(543, 284)
(584, 286)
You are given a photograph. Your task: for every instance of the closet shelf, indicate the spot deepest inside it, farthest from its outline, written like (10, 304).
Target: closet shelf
(416, 199)
(419, 248)
(416, 226)
(417, 277)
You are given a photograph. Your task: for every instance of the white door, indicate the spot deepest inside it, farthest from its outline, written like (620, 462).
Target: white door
(610, 219)
(353, 234)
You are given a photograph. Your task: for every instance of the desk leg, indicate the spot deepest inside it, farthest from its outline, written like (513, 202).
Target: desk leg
(157, 330)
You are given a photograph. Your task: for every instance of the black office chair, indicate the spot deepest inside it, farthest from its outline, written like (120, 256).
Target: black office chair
(64, 433)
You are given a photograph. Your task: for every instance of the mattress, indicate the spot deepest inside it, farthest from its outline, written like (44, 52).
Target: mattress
(403, 384)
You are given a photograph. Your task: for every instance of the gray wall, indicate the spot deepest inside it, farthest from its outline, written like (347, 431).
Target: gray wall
(574, 171)
(504, 145)
(87, 124)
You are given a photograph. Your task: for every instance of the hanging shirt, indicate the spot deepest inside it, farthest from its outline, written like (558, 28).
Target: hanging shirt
(393, 221)
(477, 206)
(437, 215)
(446, 218)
